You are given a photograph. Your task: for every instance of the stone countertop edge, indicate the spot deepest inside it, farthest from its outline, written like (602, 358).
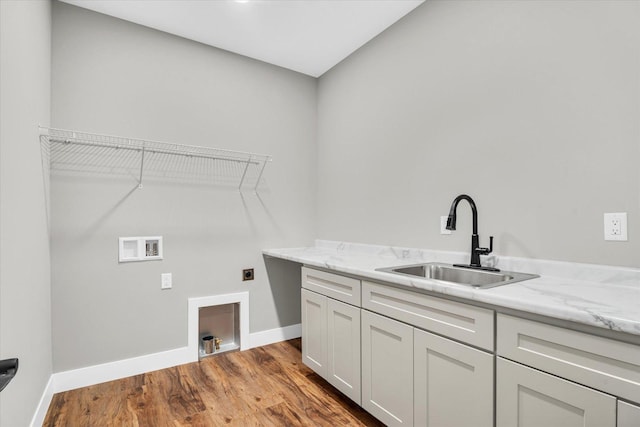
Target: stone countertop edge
(601, 296)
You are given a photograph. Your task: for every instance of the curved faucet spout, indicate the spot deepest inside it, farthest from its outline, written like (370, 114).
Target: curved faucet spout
(451, 220)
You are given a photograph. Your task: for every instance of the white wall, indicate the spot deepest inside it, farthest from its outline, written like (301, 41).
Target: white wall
(530, 107)
(110, 76)
(25, 299)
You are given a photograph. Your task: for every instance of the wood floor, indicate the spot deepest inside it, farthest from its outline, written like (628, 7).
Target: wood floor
(265, 386)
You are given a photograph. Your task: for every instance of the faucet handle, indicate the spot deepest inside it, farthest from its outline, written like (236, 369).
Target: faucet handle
(486, 251)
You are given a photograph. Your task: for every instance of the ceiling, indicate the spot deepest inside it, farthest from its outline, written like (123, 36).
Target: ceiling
(308, 36)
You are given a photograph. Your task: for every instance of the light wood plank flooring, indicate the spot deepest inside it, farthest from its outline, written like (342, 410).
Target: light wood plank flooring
(265, 386)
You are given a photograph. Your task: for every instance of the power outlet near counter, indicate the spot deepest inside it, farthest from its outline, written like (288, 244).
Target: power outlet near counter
(615, 226)
(443, 225)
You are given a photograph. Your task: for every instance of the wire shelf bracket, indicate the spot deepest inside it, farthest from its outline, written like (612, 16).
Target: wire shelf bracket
(74, 151)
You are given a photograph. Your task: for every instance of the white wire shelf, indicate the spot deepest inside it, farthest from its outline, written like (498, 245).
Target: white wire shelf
(88, 153)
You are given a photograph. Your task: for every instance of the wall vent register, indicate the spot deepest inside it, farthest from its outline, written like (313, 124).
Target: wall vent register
(140, 248)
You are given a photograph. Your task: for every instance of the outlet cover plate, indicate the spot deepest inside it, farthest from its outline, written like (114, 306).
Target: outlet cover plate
(615, 226)
(443, 225)
(166, 281)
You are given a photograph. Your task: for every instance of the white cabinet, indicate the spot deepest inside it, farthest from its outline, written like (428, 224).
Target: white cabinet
(331, 341)
(601, 363)
(410, 358)
(341, 288)
(536, 398)
(526, 397)
(459, 321)
(343, 348)
(446, 375)
(314, 331)
(628, 415)
(387, 369)
(453, 383)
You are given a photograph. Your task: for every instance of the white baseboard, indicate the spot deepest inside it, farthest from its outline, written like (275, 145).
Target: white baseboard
(43, 405)
(258, 339)
(83, 377)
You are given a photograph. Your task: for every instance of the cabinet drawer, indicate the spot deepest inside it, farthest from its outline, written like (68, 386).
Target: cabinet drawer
(338, 287)
(604, 364)
(463, 322)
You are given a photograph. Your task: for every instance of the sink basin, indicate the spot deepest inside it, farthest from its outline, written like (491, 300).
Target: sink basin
(463, 276)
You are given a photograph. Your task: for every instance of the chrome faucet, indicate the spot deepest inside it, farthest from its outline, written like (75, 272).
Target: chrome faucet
(476, 250)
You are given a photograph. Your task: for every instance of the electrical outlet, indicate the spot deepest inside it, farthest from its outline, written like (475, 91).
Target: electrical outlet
(615, 226)
(247, 274)
(443, 225)
(166, 281)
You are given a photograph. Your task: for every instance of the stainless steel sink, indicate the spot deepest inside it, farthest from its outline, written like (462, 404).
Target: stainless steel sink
(463, 276)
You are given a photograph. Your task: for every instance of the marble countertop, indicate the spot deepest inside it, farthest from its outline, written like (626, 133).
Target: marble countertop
(601, 296)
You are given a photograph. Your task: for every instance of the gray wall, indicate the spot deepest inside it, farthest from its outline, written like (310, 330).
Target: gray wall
(25, 298)
(110, 76)
(530, 107)
(517, 103)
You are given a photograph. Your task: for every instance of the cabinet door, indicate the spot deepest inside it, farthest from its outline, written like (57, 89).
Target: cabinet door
(529, 398)
(453, 383)
(628, 415)
(387, 369)
(343, 348)
(314, 331)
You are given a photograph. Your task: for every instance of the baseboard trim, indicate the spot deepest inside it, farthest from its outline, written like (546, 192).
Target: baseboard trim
(83, 377)
(43, 405)
(91, 375)
(258, 339)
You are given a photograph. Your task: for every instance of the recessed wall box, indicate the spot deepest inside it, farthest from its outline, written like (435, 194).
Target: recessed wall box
(247, 274)
(140, 248)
